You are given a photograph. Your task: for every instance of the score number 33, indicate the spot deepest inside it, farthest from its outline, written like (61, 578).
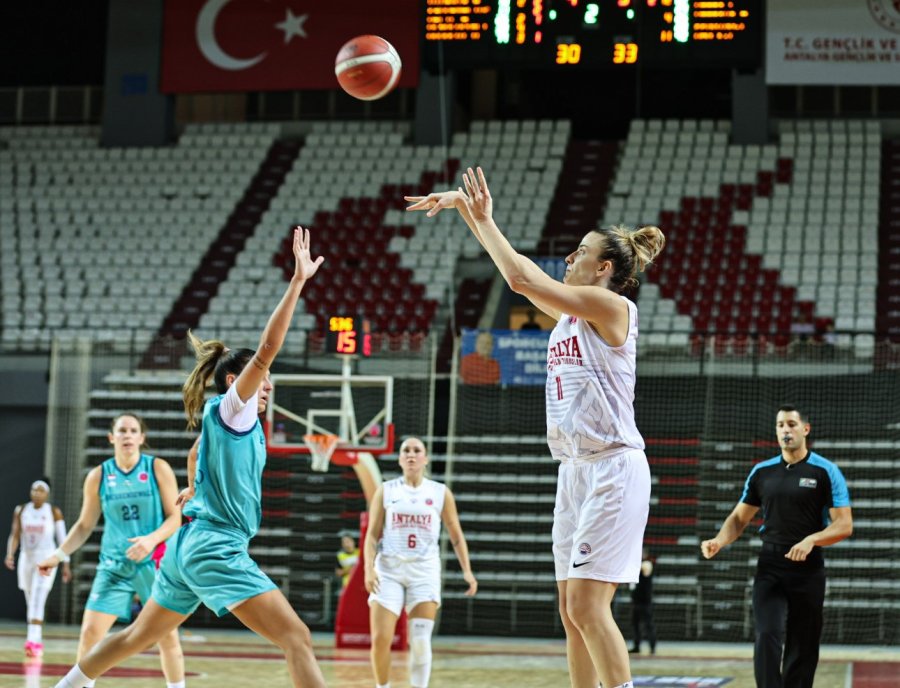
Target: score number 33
(625, 53)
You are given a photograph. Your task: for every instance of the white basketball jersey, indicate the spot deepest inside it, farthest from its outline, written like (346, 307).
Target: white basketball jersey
(590, 390)
(412, 519)
(38, 529)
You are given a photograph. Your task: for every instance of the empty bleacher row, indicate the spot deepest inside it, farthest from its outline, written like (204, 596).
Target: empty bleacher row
(759, 237)
(397, 268)
(99, 240)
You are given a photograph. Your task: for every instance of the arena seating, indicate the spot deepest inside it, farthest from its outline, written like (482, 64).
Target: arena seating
(100, 241)
(759, 237)
(395, 267)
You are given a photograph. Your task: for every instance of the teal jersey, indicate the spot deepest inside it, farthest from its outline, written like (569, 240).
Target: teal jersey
(131, 503)
(228, 483)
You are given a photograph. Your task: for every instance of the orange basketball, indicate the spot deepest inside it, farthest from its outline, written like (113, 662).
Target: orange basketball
(367, 67)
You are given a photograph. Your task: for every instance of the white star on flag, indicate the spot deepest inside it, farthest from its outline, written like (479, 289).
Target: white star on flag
(292, 26)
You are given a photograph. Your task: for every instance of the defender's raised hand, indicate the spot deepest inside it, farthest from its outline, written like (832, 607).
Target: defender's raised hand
(304, 266)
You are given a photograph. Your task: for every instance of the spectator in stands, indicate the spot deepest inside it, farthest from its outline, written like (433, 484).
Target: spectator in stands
(603, 496)
(406, 515)
(480, 367)
(642, 604)
(794, 490)
(38, 527)
(135, 493)
(347, 557)
(802, 330)
(207, 559)
(531, 323)
(826, 337)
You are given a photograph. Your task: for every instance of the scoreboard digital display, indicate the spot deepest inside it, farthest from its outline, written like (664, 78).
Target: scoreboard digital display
(565, 34)
(348, 335)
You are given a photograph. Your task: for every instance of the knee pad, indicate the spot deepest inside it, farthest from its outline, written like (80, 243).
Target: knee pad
(420, 640)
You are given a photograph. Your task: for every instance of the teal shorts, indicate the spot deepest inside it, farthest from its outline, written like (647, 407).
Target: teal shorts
(115, 584)
(208, 563)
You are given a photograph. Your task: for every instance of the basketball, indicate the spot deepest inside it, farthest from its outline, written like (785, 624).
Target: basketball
(367, 67)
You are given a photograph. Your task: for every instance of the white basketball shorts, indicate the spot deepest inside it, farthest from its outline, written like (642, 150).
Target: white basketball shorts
(599, 518)
(406, 583)
(29, 578)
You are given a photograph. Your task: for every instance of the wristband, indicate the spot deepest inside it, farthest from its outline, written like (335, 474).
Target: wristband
(62, 556)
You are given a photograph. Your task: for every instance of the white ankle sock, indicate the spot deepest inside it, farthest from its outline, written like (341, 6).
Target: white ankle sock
(75, 679)
(34, 633)
(627, 684)
(383, 685)
(177, 684)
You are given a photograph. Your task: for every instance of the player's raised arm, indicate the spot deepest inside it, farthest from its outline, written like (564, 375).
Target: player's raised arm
(246, 369)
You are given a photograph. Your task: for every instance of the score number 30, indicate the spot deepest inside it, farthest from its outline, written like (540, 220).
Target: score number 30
(568, 53)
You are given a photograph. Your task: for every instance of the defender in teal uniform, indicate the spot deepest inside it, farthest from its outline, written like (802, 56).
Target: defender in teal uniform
(131, 506)
(136, 495)
(207, 560)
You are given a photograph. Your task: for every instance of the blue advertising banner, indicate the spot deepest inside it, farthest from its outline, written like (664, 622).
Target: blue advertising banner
(505, 357)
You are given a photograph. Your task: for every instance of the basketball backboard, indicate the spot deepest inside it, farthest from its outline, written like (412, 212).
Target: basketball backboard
(356, 408)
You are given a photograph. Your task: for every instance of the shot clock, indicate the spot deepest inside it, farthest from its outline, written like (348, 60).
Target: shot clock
(571, 34)
(348, 335)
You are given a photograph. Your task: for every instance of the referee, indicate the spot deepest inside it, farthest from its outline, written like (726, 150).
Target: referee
(797, 491)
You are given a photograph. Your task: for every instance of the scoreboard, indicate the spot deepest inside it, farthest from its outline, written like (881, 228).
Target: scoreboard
(567, 34)
(348, 335)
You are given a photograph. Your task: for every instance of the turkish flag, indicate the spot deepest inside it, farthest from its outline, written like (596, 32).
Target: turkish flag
(276, 45)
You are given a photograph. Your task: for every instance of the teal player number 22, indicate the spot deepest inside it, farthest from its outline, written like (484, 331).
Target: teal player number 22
(130, 512)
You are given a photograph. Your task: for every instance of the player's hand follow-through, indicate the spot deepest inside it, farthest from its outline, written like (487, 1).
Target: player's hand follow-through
(436, 202)
(478, 196)
(710, 548)
(304, 266)
(10, 562)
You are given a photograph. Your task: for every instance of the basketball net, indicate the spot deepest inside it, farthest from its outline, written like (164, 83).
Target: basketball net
(321, 447)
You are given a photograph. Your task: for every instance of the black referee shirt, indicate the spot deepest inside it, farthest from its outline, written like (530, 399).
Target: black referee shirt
(795, 498)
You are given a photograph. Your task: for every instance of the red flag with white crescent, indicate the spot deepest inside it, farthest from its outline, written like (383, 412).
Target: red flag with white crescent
(276, 45)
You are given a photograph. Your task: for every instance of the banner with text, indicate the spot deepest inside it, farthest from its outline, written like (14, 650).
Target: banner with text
(276, 45)
(520, 355)
(833, 42)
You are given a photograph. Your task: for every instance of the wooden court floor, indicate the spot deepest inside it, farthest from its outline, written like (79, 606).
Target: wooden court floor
(240, 659)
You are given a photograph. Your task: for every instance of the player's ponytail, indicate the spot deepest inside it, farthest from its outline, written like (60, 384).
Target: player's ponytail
(630, 252)
(216, 361)
(647, 243)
